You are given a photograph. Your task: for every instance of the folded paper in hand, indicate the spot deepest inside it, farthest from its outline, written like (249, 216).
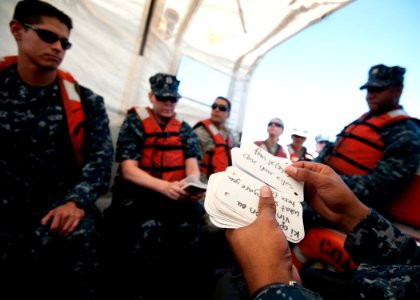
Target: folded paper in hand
(232, 196)
(193, 185)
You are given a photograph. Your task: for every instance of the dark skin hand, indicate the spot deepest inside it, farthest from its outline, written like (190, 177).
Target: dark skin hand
(261, 248)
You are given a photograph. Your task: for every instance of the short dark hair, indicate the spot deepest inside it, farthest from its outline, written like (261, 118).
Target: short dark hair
(229, 105)
(31, 11)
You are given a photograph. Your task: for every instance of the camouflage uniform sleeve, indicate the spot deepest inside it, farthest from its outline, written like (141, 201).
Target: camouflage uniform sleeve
(376, 232)
(389, 282)
(234, 139)
(399, 162)
(130, 138)
(282, 291)
(98, 151)
(205, 140)
(189, 141)
(389, 260)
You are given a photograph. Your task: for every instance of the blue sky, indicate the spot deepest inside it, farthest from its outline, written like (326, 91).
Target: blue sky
(312, 80)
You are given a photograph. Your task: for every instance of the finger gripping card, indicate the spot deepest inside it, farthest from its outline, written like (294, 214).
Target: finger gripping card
(240, 192)
(267, 168)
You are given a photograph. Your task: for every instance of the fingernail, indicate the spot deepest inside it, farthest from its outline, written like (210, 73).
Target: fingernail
(265, 191)
(291, 169)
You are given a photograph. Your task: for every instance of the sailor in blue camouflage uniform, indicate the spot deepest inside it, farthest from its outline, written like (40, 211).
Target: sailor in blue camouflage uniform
(389, 260)
(390, 271)
(154, 228)
(55, 156)
(378, 154)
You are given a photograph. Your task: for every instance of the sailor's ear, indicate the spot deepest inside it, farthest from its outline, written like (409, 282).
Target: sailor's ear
(16, 29)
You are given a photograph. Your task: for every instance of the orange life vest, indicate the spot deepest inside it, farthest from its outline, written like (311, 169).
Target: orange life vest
(218, 158)
(279, 153)
(323, 245)
(294, 156)
(358, 150)
(72, 105)
(359, 146)
(406, 208)
(162, 155)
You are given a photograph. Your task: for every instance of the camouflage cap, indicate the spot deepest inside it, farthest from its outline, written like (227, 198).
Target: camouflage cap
(164, 85)
(381, 76)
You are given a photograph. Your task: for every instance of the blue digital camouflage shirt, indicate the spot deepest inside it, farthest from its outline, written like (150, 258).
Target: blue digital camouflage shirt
(389, 264)
(131, 139)
(38, 167)
(389, 260)
(399, 162)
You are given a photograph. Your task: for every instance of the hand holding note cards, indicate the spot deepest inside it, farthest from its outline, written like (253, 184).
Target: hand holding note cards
(232, 196)
(193, 185)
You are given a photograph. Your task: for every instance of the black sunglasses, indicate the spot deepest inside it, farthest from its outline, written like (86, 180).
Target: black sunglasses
(372, 89)
(164, 99)
(275, 124)
(49, 36)
(220, 106)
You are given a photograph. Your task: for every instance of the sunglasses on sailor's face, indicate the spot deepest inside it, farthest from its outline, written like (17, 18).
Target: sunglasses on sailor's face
(376, 89)
(275, 124)
(164, 99)
(49, 36)
(221, 107)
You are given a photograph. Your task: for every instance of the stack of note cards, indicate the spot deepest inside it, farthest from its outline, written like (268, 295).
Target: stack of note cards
(232, 196)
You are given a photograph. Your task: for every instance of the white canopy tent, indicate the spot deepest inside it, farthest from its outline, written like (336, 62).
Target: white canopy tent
(118, 45)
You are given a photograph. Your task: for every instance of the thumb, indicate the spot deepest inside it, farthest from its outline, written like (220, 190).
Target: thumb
(266, 202)
(311, 173)
(300, 174)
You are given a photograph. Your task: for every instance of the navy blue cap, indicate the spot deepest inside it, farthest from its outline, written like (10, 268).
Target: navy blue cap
(164, 85)
(381, 76)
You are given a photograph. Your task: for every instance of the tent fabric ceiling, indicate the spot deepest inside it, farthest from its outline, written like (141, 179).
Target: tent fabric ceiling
(230, 36)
